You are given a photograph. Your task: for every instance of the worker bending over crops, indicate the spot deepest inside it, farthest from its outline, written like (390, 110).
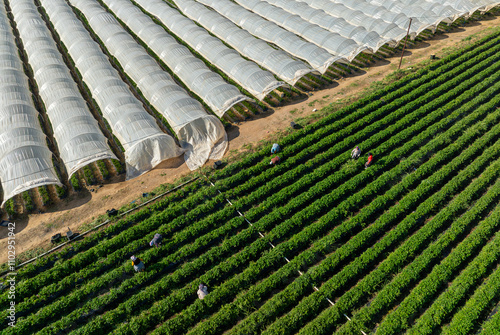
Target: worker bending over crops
(274, 161)
(138, 264)
(355, 153)
(202, 291)
(369, 161)
(156, 241)
(275, 148)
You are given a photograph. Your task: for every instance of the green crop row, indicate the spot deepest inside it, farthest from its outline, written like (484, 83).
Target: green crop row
(459, 288)
(491, 326)
(98, 247)
(259, 318)
(331, 317)
(351, 114)
(443, 272)
(366, 317)
(185, 311)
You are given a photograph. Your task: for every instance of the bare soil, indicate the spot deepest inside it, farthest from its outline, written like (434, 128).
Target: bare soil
(35, 230)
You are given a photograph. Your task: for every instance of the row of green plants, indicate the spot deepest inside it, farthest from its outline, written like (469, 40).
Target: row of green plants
(446, 304)
(258, 318)
(366, 317)
(184, 311)
(266, 162)
(428, 206)
(360, 108)
(280, 183)
(378, 206)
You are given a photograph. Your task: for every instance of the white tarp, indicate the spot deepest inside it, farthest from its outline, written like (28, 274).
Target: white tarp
(144, 143)
(332, 42)
(248, 74)
(371, 39)
(371, 22)
(208, 85)
(77, 133)
(270, 32)
(25, 159)
(276, 61)
(202, 136)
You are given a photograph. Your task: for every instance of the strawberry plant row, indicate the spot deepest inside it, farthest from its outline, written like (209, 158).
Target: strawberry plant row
(424, 150)
(491, 326)
(466, 319)
(367, 316)
(28, 271)
(185, 317)
(104, 248)
(378, 99)
(440, 275)
(461, 286)
(361, 219)
(330, 318)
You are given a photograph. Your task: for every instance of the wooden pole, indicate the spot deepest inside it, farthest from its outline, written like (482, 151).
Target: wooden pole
(404, 46)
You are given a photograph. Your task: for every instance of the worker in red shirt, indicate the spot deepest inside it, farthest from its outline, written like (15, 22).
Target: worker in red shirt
(369, 161)
(274, 161)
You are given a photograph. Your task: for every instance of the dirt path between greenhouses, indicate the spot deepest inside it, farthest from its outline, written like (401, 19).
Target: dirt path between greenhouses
(34, 232)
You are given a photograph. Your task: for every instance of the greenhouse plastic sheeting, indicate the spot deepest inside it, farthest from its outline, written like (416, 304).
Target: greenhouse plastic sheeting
(276, 61)
(202, 136)
(386, 29)
(360, 35)
(25, 159)
(421, 18)
(77, 133)
(144, 143)
(247, 74)
(209, 86)
(332, 42)
(317, 57)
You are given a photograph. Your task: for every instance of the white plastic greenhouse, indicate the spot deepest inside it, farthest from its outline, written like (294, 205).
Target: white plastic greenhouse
(144, 143)
(209, 86)
(276, 61)
(317, 57)
(223, 51)
(248, 74)
(201, 135)
(25, 159)
(76, 131)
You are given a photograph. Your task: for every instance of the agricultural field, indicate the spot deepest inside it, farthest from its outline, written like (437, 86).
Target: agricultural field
(317, 244)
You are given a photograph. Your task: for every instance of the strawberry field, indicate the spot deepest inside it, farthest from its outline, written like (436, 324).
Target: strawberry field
(409, 245)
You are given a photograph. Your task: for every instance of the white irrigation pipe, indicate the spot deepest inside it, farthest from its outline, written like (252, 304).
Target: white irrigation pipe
(98, 226)
(273, 246)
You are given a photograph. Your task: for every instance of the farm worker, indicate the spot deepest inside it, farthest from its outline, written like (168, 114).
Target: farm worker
(137, 263)
(156, 241)
(355, 153)
(274, 161)
(275, 148)
(369, 161)
(202, 291)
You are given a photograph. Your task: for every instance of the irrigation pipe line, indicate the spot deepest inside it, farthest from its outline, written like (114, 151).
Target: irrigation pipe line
(98, 226)
(273, 246)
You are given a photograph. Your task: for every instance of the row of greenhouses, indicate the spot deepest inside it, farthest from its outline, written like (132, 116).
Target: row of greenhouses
(149, 80)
